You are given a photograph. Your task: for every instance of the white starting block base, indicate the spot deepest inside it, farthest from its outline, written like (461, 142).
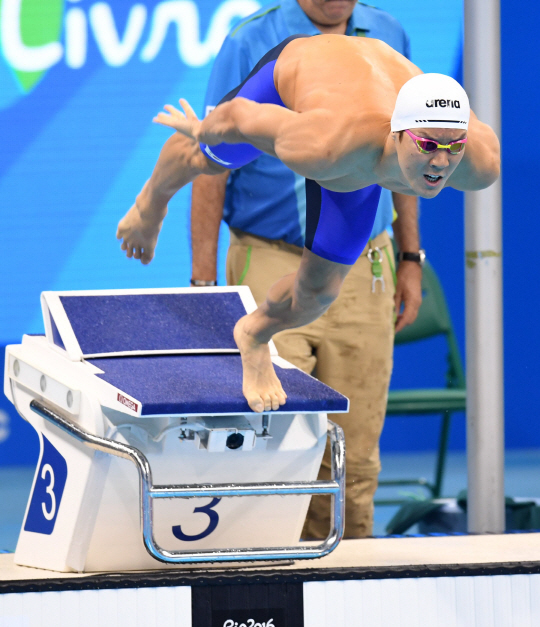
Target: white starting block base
(147, 440)
(451, 581)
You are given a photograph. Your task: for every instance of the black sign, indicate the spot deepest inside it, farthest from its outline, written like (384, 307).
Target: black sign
(248, 605)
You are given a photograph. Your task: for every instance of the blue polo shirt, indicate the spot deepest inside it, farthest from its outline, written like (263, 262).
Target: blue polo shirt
(265, 198)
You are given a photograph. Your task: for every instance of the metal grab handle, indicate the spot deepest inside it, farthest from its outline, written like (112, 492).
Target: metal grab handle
(148, 492)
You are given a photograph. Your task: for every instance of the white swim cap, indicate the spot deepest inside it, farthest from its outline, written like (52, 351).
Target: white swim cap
(431, 101)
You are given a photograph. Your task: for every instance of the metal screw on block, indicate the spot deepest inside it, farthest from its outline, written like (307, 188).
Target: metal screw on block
(43, 383)
(69, 398)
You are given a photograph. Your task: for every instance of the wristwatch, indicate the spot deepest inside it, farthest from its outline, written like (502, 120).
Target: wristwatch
(418, 257)
(199, 283)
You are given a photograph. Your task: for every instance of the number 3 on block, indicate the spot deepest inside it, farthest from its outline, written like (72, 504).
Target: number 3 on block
(47, 470)
(48, 490)
(212, 523)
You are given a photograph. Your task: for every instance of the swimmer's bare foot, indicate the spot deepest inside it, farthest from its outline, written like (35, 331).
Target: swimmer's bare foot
(261, 386)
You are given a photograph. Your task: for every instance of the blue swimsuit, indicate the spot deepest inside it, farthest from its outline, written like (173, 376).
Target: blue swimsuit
(338, 224)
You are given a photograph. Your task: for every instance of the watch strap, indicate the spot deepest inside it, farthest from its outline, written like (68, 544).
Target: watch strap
(199, 283)
(418, 257)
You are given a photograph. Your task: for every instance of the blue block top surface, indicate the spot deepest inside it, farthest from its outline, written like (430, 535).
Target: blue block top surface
(154, 322)
(207, 384)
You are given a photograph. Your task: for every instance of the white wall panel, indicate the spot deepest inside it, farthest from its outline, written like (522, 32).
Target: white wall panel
(502, 602)
(465, 601)
(534, 590)
(446, 601)
(130, 607)
(483, 606)
(427, 601)
(521, 612)
(370, 593)
(499, 601)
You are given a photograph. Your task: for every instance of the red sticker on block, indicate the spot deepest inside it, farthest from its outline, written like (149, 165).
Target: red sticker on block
(128, 403)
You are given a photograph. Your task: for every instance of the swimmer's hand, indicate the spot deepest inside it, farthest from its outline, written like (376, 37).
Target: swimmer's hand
(218, 126)
(186, 123)
(139, 233)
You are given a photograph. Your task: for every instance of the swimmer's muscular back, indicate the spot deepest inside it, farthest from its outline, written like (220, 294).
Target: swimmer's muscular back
(339, 67)
(349, 85)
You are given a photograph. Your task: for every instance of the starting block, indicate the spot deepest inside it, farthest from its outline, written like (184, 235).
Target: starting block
(147, 443)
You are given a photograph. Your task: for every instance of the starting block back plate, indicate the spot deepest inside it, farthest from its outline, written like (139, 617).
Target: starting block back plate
(135, 322)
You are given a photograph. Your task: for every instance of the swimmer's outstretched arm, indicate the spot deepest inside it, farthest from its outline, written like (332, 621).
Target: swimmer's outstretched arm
(306, 142)
(481, 163)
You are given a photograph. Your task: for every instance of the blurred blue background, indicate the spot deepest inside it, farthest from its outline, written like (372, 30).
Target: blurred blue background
(79, 84)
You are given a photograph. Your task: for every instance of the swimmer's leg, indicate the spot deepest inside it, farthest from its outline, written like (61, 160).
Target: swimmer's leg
(295, 300)
(338, 228)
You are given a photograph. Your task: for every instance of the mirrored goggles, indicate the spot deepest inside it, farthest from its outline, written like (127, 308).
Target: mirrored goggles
(425, 146)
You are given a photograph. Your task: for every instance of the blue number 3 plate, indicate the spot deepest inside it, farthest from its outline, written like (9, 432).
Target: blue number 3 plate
(48, 491)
